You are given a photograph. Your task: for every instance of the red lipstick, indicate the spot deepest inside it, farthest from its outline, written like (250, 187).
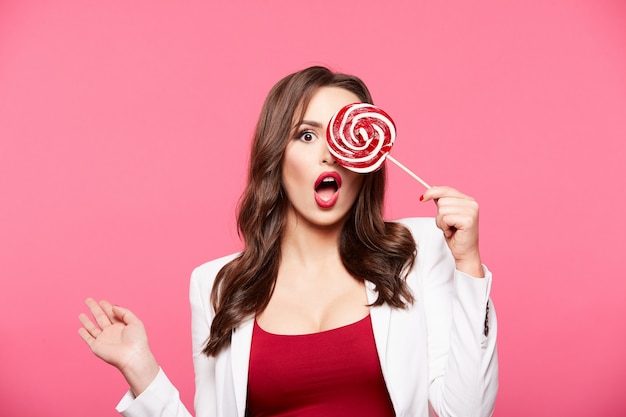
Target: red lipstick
(327, 188)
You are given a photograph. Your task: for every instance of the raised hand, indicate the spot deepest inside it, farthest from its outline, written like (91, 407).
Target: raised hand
(457, 217)
(118, 337)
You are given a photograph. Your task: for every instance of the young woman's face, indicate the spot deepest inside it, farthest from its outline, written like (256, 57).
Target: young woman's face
(320, 191)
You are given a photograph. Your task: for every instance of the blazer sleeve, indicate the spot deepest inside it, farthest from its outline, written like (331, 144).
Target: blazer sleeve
(462, 329)
(205, 402)
(161, 398)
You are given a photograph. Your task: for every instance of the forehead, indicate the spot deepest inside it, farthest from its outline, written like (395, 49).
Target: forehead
(326, 101)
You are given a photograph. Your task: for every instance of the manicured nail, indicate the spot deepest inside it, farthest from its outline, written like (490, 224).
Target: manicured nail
(421, 198)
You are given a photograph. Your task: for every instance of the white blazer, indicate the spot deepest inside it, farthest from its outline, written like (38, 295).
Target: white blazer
(436, 355)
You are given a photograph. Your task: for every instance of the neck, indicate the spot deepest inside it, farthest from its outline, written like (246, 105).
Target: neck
(309, 245)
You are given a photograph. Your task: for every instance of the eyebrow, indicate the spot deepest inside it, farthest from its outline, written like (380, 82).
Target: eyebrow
(309, 123)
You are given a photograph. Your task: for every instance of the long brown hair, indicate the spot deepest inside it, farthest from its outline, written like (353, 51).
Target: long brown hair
(370, 248)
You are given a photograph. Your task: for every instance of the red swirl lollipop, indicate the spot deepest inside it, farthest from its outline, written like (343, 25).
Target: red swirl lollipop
(360, 137)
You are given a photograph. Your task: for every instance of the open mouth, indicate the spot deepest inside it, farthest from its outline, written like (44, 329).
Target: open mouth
(327, 189)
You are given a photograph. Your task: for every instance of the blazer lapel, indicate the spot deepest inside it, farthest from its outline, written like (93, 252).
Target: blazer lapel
(241, 343)
(380, 316)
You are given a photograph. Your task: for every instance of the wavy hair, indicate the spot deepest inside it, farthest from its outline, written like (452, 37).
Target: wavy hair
(370, 248)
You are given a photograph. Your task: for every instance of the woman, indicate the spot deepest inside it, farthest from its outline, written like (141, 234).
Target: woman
(328, 310)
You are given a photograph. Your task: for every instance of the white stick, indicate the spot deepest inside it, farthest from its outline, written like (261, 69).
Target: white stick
(408, 171)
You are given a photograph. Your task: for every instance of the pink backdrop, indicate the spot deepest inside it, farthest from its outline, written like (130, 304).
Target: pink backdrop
(124, 130)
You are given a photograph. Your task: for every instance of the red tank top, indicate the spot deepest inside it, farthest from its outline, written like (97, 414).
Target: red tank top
(330, 373)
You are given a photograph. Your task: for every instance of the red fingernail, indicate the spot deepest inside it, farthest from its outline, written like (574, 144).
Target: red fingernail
(421, 198)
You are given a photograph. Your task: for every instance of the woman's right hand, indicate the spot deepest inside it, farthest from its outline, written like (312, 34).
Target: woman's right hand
(118, 337)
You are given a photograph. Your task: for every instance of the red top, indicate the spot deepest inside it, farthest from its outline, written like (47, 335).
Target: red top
(330, 373)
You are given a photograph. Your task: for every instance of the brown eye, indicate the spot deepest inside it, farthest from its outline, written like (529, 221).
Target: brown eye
(307, 136)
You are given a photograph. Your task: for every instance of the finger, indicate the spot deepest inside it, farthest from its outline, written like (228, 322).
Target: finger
(453, 222)
(86, 336)
(89, 325)
(125, 315)
(108, 310)
(458, 198)
(447, 229)
(438, 192)
(98, 313)
(449, 206)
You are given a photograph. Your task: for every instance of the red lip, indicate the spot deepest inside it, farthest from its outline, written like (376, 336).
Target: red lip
(332, 174)
(328, 201)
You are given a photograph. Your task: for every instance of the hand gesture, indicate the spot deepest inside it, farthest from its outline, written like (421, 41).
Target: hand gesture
(457, 217)
(118, 337)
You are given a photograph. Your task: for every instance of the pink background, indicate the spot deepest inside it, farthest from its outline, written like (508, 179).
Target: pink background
(124, 132)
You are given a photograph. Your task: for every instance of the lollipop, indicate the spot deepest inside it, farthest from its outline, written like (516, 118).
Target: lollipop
(360, 136)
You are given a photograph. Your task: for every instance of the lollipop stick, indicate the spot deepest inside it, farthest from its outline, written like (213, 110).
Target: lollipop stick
(408, 171)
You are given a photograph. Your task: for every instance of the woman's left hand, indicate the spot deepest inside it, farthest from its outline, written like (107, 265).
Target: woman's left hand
(457, 217)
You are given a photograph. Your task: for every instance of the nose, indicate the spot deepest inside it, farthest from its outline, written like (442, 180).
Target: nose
(326, 156)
